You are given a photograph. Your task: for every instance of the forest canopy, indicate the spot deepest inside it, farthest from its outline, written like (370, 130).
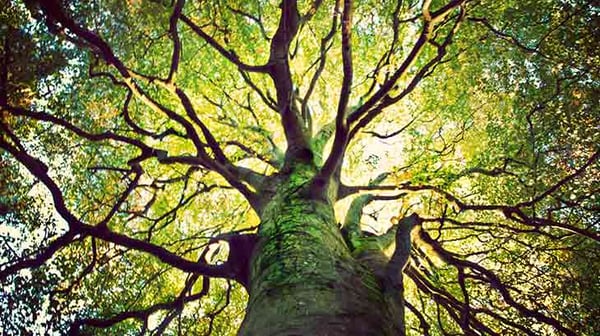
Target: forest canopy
(145, 146)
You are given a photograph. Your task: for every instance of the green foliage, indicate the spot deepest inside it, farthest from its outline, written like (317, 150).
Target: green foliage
(506, 120)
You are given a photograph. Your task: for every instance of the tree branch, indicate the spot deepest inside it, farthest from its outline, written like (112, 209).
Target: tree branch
(340, 139)
(144, 314)
(176, 40)
(229, 55)
(40, 171)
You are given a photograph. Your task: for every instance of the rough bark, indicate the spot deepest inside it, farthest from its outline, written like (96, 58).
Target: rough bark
(304, 278)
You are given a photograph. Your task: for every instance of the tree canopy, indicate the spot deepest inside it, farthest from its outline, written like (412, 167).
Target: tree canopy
(140, 141)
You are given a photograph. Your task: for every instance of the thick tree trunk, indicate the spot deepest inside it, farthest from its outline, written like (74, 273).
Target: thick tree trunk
(304, 280)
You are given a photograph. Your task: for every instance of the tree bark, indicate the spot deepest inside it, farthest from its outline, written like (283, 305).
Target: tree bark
(304, 279)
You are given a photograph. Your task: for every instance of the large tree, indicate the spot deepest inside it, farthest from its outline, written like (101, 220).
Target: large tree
(300, 167)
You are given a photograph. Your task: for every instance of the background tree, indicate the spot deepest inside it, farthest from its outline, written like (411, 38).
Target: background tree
(203, 167)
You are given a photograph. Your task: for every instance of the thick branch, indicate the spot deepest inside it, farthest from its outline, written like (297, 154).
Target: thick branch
(291, 119)
(394, 284)
(176, 41)
(164, 255)
(340, 139)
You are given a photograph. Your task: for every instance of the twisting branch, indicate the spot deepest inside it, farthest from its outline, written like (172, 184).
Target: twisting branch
(451, 304)
(514, 212)
(54, 12)
(104, 136)
(388, 85)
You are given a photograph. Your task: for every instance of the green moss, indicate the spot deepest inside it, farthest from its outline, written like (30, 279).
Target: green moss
(304, 279)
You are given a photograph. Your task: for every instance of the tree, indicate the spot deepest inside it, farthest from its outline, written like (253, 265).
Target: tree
(300, 168)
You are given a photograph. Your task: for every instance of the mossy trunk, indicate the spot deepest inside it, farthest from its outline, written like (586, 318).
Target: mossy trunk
(304, 280)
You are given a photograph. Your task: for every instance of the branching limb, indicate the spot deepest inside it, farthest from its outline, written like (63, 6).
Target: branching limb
(422, 321)
(47, 117)
(220, 164)
(268, 159)
(562, 182)
(46, 254)
(352, 229)
(266, 98)
(325, 46)
(144, 314)
(362, 117)
(228, 54)
(139, 130)
(241, 247)
(515, 212)
(253, 18)
(56, 15)
(481, 273)
(76, 227)
(429, 20)
(393, 134)
(536, 47)
(451, 305)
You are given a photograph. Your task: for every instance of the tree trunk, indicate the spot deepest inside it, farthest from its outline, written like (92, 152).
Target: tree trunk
(304, 280)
